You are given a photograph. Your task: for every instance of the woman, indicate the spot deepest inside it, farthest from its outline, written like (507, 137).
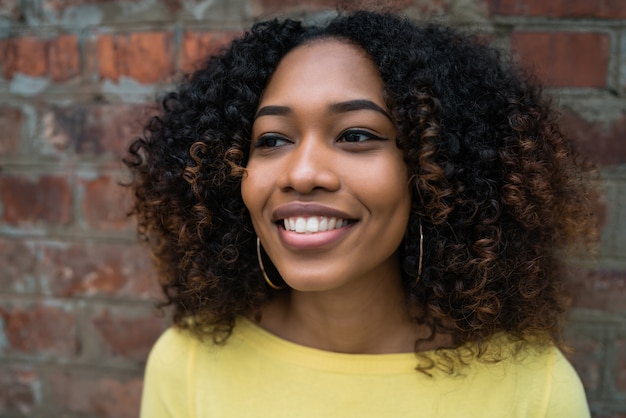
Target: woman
(361, 219)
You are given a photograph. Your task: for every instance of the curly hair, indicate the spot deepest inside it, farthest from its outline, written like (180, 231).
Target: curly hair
(499, 192)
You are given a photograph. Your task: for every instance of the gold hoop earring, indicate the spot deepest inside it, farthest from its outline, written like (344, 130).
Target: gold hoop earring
(258, 255)
(419, 263)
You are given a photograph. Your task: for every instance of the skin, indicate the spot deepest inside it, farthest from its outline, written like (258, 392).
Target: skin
(323, 146)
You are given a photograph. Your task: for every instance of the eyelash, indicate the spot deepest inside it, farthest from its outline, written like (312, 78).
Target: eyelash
(369, 136)
(264, 140)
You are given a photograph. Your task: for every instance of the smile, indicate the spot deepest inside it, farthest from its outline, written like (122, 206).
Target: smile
(312, 224)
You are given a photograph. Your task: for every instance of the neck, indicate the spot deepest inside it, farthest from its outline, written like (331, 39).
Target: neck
(369, 319)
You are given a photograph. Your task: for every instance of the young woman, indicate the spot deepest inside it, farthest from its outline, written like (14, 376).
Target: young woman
(361, 219)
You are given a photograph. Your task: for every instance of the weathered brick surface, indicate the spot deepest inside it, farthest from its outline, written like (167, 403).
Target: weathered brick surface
(64, 60)
(600, 289)
(102, 130)
(18, 391)
(39, 57)
(77, 82)
(197, 46)
(11, 121)
(555, 55)
(10, 9)
(106, 204)
(620, 369)
(603, 142)
(600, 209)
(45, 329)
(63, 4)
(272, 6)
(269, 7)
(96, 269)
(18, 261)
(45, 199)
(101, 396)
(586, 359)
(25, 55)
(145, 57)
(606, 9)
(126, 333)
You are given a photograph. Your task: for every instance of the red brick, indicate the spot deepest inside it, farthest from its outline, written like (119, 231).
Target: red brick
(586, 360)
(96, 396)
(197, 46)
(263, 7)
(10, 9)
(18, 391)
(94, 269)
(284, 6)
(95, 129)
(564, 59)
(105, 204)
(605, 9)
(127, 334)
(40, 329)
(603, 142)
(106, 54)
(620, 369)
(64, 4)
(7, 58)
(26, 55)
(145, 57)
(417, 9)
(17, 266)
(603, 290)
(46, 199)
(36, 57)
(64, 61)
(11, 120)
(600, 209)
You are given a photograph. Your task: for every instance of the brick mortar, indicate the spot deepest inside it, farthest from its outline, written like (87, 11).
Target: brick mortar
(557, 23)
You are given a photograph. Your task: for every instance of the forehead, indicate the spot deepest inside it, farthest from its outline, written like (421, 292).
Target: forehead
(331, 69)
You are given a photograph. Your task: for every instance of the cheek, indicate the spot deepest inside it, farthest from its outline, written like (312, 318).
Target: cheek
(254, 189)
(390, 189)
(247, 191)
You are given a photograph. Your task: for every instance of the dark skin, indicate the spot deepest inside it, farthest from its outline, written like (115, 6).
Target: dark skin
(327, 190)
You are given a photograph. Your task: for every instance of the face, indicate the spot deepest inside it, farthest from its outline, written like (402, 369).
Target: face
(326, 186)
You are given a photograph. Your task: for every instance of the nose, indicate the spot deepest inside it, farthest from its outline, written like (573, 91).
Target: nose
(311, 165)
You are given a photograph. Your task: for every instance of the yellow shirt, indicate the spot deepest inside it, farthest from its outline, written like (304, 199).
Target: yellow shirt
(257, 374)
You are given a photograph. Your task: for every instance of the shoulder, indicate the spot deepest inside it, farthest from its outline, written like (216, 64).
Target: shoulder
(566, 396)
(548, 382)
(166, 380)
(525, 380)
(172, 350)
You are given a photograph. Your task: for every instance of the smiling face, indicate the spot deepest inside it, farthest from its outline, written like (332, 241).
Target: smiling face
(326, 185)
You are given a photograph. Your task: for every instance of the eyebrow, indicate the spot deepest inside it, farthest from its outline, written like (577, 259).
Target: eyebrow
(341, 107)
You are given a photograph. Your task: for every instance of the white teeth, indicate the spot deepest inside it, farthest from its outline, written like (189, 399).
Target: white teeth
(323, 225)
(312, 225)
(300, 225)
(307, 225)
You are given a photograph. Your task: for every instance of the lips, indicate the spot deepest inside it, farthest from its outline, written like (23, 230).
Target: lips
(313, 224)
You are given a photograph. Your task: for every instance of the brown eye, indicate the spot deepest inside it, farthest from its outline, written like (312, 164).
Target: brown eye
(270, 141)
(354, 136)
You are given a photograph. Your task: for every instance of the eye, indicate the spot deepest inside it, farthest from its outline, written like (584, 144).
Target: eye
(270, 141)
(358, 135)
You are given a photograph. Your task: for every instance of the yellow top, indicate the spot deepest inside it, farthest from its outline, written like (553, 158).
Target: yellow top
(257, 374)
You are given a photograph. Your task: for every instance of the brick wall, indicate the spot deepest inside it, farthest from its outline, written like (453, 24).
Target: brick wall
(76, 79)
